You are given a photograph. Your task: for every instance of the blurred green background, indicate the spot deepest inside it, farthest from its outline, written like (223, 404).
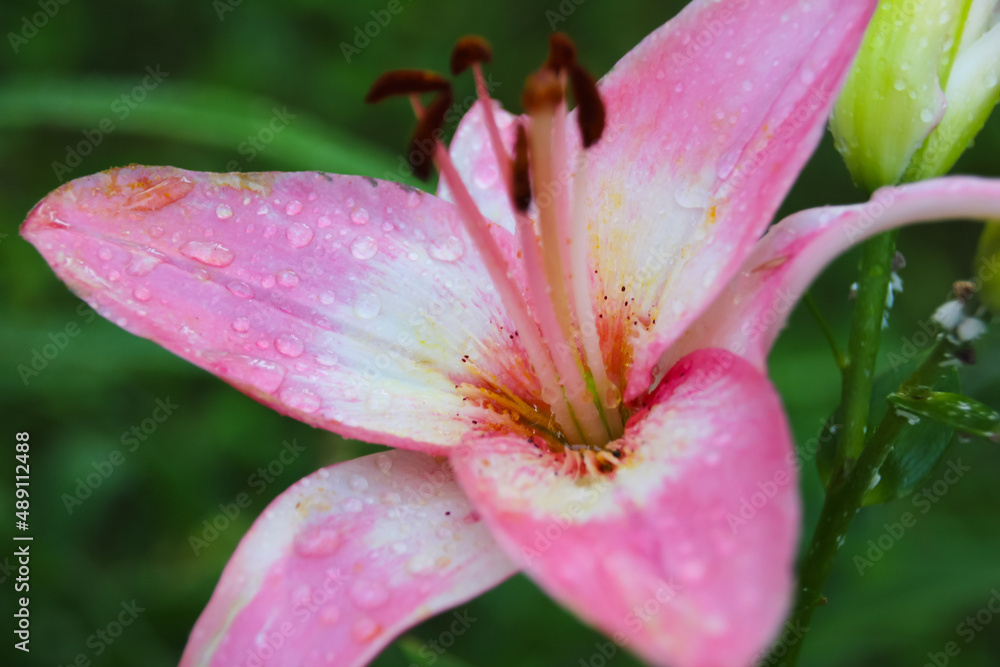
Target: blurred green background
(228, 64)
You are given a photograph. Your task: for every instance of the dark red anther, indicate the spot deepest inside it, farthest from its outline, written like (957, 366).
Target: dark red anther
(542, 92)
(428, 133)
(562, 52)
(590, 108)
(406, 82)
(521, 181)
(470, 49)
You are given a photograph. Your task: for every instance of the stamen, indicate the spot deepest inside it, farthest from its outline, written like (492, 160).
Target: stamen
(562, 52)
(478, 229)
(608, 393)
(590, 113)
(427, 135)
(561, 352)
(520, 179)
(406, 82)
(469, 49)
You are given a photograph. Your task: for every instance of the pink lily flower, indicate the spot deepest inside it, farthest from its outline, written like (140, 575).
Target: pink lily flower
(576, 388)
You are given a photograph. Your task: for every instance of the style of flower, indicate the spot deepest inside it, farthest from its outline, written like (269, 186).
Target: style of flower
(567, 347)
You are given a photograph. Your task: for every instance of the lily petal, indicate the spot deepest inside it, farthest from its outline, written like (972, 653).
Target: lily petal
(709, 121)
(748, 316)
(352, 304)
(342, 562)
(684, 555)
(472, 153)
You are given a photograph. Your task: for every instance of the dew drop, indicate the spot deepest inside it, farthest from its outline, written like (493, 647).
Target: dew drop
(267, 282)
(287, 278)
(323, 221)
(353, 505)
(300, 399)
(328, 360)
(223, 211)
(327, 298)
(141, 265)
(384, 462)
(485, 175)
(413, 199)
(926, 115)
(317, 541)
(368, 595)
(299, 234)
(359, 216)
(447, 249)
(367, 306)
(240, 289)
(364, 247)
(114, 276)
(289, 345)
(357, 483)
(105, 254)
(293, 207)
(241, 325)
(156, 231)
(899, 84)
(141, 293)
(208, 253)
(328, 617)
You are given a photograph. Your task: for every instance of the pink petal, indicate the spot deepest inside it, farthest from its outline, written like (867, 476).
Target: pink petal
(343, 562)
(352, 304)
(685, 555)
(710, 120)
(747, 317)
(473, 156)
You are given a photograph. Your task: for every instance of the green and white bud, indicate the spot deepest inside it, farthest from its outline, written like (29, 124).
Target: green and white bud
(921, 88)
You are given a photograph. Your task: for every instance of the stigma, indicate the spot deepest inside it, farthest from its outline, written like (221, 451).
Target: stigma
(546, 185)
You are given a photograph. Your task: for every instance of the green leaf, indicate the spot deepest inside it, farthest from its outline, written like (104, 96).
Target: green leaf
(194, 113)
(916, 451)
(959, 412)
(422, 654)
(918, 448)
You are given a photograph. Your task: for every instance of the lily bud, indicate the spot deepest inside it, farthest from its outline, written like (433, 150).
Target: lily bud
(921, 88)
(988, 266)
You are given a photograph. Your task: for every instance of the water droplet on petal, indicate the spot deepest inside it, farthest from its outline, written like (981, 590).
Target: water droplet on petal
(114, 276)
(357, 483)
(208, 253)
(141, 293)
(384, 462)
(265, 375)
(368, 594)
(299, 234)
(328, 616)
(300, 399)
(141, 265)
(447, 249)
(156, 231)
(327, 298)
(926, 115)
(223, 211)
(364, 247)
(289, 345)
(105, 254)
(353, 505)
(317, 541)
(327, 360)
(287, 278)
(359, 216)
(323, 221)
(240, 289)
(485, 175)
(293, 207)
(241, 324)
(267, 282)
(367, 306)
(413, 199)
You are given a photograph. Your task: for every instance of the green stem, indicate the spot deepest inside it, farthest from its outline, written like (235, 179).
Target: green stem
(838, 355)
(855, 465)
